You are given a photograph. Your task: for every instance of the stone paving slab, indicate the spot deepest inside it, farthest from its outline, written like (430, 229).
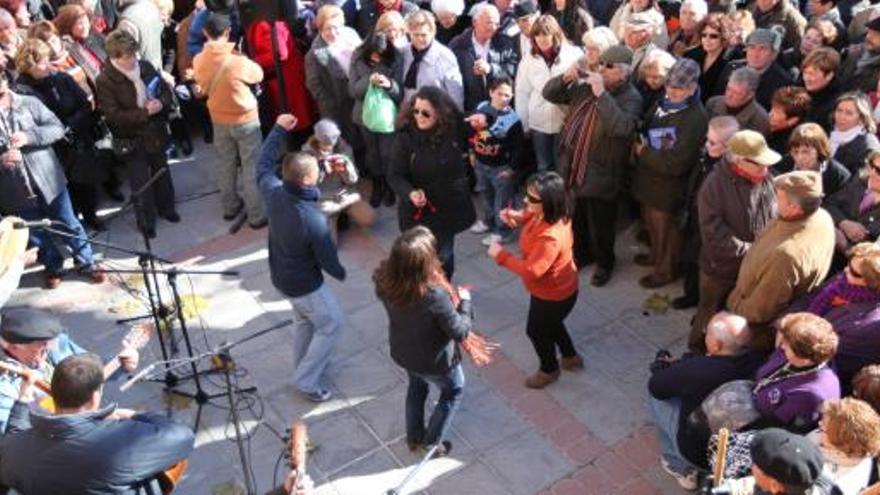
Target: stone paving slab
(587, 433)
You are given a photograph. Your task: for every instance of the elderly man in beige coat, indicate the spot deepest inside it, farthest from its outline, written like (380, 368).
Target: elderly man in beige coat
(790, 258)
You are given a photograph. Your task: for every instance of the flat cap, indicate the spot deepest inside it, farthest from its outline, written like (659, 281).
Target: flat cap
(684, 73)
(752, 146)
(524, 8)
(26, 325)
(801, 183)
(790, 459)
(764, 36)
(617, 54)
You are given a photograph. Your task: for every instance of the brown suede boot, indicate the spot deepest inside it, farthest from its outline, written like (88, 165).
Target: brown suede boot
(572, 363)
(541, 379)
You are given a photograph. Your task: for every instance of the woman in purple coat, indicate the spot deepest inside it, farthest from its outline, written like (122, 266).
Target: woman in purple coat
(796, 379)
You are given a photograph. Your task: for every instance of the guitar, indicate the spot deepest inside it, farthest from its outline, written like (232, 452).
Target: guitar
(136, 338)
(298, 445)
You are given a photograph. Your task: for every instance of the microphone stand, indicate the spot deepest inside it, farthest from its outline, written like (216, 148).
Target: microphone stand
(143, 256)
(200, 396)
(224, 362)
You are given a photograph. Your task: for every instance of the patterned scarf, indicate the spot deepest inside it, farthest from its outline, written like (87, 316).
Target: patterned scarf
(577, 132)
(474, 345)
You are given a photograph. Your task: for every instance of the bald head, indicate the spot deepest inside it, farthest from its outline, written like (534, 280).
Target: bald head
(727, 334)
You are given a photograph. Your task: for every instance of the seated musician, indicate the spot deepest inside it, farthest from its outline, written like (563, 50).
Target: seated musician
(33, 339)
(86, 448)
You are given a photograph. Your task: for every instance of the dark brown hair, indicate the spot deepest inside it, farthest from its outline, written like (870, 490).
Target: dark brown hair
(448, 118)
(75, 379)
(410, 269)
(866, 385)
(794, 100)
(546, 24)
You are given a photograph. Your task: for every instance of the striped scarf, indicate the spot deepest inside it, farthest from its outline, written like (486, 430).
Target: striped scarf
(577, 132)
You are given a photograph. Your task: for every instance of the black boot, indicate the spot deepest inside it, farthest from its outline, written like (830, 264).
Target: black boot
(390, 197)
(378, 192)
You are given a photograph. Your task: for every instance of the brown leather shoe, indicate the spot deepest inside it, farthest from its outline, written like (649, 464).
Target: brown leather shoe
(573, 363)
(644, 259)
(541, 379)
(52, 280)
(652, 281)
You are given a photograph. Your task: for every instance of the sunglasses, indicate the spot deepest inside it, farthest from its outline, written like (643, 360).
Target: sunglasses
(424, 113)
(711, 36)
(874, 168)
(609, 65)
(532, 199)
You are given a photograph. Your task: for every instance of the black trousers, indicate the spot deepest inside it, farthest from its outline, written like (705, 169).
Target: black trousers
(594, 225)
(546, 329)
(160, 196)
(84, 198)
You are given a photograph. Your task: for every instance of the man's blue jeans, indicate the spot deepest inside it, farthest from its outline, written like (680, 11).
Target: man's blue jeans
(665, 414)
(318, 322)
(451, 385)
(61, 210)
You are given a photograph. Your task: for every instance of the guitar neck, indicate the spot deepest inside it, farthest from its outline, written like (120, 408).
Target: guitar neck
(111, 367)
(23, 372)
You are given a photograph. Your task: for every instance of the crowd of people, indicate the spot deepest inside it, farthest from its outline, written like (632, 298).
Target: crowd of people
(740, 138)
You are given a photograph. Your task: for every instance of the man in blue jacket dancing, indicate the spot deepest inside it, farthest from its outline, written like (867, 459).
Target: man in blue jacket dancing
(300, 250)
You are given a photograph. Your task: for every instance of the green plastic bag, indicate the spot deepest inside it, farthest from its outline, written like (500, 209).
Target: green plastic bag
(379, 111)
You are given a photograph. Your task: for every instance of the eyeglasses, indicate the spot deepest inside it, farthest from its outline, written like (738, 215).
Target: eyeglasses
(711, 36)
(531, 198)
(874, 168)
(424, 113)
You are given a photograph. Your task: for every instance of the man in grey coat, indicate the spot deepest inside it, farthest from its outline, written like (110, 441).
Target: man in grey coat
(616, 105)
(32, 182)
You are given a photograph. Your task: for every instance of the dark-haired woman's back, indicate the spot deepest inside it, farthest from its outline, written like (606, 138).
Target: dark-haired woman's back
(422, 334)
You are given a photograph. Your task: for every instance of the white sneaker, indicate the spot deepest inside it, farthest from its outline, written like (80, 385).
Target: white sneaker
(479, 227)
(688, 481)
(491, 239)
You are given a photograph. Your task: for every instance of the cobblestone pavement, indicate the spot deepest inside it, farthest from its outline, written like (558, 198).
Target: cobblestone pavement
(585, 434)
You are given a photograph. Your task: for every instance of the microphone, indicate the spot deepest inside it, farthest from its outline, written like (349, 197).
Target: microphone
(35, 224)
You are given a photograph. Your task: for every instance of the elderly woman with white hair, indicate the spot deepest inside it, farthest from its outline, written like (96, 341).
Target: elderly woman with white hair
(450, 21)
(551, 54)
(652, 77)
(660, 36)
(690, 17)
(596, 41)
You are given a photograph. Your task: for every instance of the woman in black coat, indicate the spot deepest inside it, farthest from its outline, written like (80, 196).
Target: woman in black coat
(70, 103)
(429, 171)
(136, 102)
(376, 64)
(427, 320)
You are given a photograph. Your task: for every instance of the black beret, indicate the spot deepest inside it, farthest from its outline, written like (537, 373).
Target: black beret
(26, 325)
(788, 458)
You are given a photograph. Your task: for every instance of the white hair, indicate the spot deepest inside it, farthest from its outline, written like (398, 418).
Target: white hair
(478, 9)
(699, 7)
(602, 37)
(449, 6)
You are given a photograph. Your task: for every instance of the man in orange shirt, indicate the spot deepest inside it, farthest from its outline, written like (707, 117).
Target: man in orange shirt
(224, 77)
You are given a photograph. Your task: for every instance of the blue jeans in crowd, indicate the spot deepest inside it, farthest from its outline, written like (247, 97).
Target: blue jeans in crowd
(496, 194)
(318, 322)
(451, 385)
(61, 210)
(545, 150)
(665, 415)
